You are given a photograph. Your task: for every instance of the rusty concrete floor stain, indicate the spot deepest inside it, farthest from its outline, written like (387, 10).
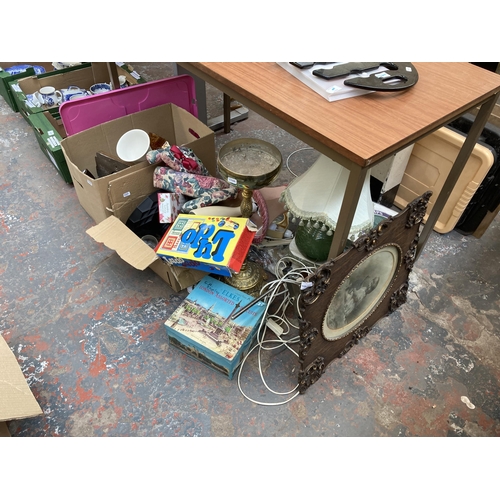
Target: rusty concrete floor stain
(87, 330)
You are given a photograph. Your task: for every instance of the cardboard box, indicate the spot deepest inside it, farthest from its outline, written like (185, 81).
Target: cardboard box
(169, 206)
(16, 399)
(202, 326)
(217, 245)
(6, 78)
(128, 71)
(120, 193)
(111, 200)
(81, 77)
(113, 233)
(77, 116)
(49, 132)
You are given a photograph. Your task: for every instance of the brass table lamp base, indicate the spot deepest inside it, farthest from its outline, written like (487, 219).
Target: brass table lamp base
(249, 280)
(250, 164)
(246, 206)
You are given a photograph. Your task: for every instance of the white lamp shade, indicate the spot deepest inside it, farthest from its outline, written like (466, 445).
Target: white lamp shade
(317, 196)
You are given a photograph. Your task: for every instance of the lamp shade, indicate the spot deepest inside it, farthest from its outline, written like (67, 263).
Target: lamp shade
(316, 198)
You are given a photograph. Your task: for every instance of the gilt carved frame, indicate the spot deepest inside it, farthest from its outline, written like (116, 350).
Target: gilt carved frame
(350, 293)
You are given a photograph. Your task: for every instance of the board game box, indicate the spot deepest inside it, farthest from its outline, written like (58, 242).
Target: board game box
(212, 244)
(202, 326)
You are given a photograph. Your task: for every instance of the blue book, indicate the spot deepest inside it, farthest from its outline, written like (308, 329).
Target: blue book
(202, 326)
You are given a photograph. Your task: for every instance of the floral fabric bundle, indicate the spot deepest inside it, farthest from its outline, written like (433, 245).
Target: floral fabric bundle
(204, 189)
(178, 158)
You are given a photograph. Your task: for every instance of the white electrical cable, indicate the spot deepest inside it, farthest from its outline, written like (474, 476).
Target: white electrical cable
(290, 155)
(277, 288)
(293, 276)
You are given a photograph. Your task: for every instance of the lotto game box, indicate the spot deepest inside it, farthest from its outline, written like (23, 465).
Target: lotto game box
(217, 245)
(202, 326)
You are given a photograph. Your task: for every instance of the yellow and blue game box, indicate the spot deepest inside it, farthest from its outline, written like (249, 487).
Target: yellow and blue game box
(212, 244)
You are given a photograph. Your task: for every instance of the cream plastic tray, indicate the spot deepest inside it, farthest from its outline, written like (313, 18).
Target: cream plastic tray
(428, 167)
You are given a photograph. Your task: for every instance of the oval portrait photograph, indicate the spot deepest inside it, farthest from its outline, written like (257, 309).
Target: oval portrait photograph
(360, 292)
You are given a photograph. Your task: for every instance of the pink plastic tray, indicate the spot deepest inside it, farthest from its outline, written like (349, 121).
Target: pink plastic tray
(90, 111)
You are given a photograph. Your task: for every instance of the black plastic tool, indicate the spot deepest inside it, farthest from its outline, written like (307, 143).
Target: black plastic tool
(350, 68)
(307, 65)
(402, 77)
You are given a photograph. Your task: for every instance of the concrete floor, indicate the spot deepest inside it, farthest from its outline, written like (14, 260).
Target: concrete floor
(88, 332)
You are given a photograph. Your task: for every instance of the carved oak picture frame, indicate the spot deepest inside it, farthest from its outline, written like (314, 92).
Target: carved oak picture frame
(350, 293)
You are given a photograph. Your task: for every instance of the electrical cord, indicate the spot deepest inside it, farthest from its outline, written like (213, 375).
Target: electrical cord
(279, 296)
(290, 155)
(287, 274)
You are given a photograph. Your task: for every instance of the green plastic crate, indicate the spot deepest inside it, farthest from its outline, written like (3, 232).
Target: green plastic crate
(49, 132)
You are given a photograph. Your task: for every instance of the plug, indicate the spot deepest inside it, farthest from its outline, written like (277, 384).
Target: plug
(272, 325)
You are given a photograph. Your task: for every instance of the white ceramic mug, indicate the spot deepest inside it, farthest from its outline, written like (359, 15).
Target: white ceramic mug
(50, 96)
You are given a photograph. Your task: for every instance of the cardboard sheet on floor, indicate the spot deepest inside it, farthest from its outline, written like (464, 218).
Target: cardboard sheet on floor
(16, 399)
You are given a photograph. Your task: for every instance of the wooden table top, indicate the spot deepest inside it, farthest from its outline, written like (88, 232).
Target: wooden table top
(365, 128)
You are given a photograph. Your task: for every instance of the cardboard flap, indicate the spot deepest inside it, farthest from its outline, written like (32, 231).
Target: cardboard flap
(126, 192)
(16, 399)
(118, 237)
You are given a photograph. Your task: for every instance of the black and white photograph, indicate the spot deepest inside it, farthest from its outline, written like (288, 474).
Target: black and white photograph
(360, 292)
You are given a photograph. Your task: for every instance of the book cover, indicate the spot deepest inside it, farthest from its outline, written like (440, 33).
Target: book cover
(212, 244)
(202, 326)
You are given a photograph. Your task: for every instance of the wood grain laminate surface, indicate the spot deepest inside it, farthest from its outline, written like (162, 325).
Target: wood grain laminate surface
(365, 128)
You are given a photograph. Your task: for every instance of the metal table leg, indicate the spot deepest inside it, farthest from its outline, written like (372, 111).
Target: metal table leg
(347, 211)
(460, 162)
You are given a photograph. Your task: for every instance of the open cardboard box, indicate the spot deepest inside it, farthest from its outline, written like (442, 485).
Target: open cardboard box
(16, 399)
(6, 78)
(77, 116)
(117, 236)
(81, 77)
(110, 200)
(120, 193)
(130, 74)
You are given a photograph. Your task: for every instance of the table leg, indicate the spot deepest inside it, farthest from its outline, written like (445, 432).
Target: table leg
(460, 162)
(347, 210)
(227, 114)
(113, 75)
(200, 90)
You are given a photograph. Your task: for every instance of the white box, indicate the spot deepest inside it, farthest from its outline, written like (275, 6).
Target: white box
(169, 206)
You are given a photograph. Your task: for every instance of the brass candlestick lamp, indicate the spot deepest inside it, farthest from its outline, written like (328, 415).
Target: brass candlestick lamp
(248, 164)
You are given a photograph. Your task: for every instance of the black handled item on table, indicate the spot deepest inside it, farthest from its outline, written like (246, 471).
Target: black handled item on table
(350, 68)
(404, 76)
(307, 65)
(395, 76)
